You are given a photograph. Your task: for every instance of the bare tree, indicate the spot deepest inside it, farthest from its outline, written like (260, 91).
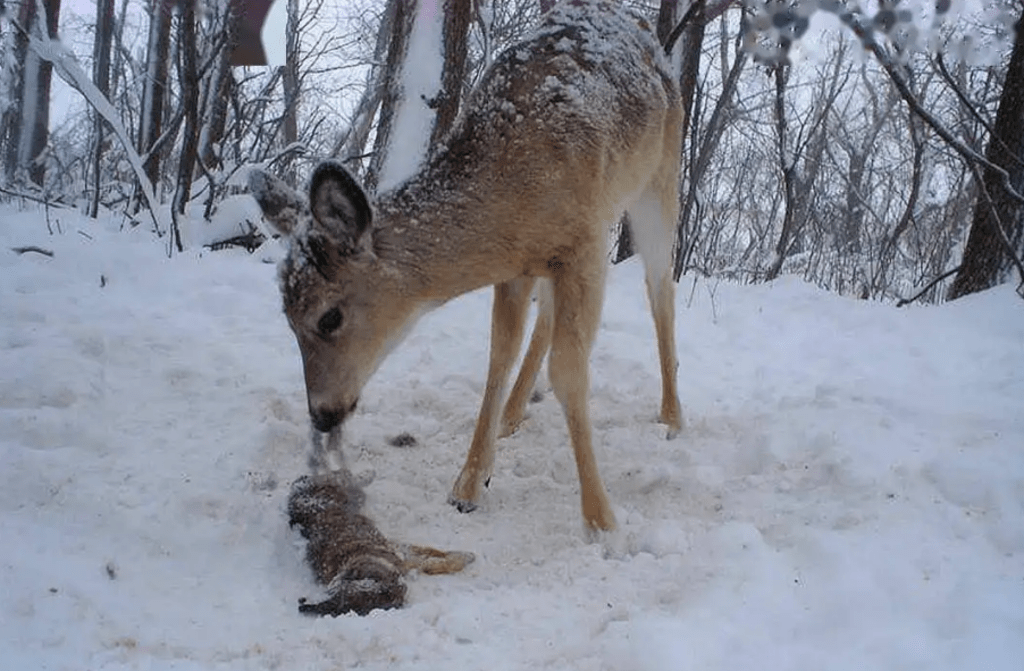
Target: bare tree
(290, 85)
(702, 151)
(350, 144)
(217, 87)
(101, 77)
(189, 81)
(457, 14)
(800, 157)
(398, 43)
(29, 128)
(154, 90)
(997, 230)
(442, 103)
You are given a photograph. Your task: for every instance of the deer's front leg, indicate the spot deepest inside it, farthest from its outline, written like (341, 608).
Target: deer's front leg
(511, 300)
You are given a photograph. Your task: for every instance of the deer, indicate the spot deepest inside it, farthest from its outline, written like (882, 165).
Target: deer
(565, 132)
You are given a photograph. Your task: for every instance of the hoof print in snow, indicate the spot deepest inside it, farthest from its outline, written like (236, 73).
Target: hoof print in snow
(360, 568)
(403, 439)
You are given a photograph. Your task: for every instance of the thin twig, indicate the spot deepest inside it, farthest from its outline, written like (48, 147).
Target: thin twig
(32, 248)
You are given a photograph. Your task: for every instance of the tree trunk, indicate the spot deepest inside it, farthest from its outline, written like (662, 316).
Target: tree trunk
(398, 43)
(996, 230)
(189, 102)
(101, 77)
(787, 164)
(13, 128)
(701, 158)
(290, 88)
(248, 50)
(456, 29)
(218, 92)
(154, 89)
(31, 130)
(350, 145)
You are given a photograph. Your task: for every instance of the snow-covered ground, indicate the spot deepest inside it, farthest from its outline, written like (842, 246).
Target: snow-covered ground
(848, 494)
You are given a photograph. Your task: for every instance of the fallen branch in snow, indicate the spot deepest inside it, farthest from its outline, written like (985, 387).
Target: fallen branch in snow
(34, 199)
(250, 241)
(922, 292)
(361, 569)
(32, 248)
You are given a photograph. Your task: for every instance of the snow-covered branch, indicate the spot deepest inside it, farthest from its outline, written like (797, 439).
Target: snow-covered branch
(68, 69)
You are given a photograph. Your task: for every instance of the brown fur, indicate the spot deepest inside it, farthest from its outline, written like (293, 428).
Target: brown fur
(566, 131)
(361, 569)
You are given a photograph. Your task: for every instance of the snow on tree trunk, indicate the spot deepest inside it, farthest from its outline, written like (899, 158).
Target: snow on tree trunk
(420, 81)
(32, 135)
(12, 52)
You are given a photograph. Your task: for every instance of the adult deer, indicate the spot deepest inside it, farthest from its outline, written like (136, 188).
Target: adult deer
(567, 130)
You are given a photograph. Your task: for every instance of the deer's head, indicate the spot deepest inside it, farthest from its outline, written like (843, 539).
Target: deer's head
(344, 305)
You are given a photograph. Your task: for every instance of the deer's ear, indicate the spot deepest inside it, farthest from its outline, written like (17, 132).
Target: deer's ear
(283, 207)
(339, 205)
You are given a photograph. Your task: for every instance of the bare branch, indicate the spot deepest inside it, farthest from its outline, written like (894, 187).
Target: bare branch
(32, 248)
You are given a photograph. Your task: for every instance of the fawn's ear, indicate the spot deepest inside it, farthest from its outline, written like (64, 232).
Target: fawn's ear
(339, 206)
(283, 207)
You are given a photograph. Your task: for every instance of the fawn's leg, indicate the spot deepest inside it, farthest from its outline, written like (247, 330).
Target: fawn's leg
(511, 300)
(540, 343)
(433, 561)
(578, 299)
(652, 217)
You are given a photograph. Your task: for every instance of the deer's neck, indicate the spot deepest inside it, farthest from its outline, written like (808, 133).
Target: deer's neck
(442, 237)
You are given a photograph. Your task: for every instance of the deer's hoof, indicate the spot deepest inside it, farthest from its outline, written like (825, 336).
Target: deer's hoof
(462, 505)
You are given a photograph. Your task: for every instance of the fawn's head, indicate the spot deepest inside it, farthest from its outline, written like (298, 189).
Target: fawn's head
(341, 302)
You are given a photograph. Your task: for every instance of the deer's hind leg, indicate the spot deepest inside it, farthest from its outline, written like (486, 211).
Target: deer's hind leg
(578, 299)
(653, 219)
(511, 301)
(540, 343)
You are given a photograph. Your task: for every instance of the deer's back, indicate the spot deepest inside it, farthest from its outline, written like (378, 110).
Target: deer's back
(591, 84)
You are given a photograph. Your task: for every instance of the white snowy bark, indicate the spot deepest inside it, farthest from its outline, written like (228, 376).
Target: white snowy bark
(420, 83)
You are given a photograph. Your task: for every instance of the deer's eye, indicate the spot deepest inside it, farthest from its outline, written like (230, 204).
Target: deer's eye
(330, 322)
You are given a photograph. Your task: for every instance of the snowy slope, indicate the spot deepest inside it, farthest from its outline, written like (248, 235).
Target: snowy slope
(849, 492)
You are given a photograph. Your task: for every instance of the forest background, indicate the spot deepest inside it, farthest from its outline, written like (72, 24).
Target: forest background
(874, 149)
